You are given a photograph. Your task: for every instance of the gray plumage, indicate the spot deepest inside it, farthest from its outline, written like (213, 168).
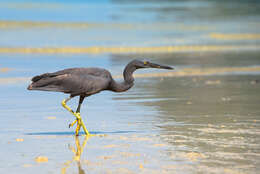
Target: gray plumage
(88, 81)
(75, 81)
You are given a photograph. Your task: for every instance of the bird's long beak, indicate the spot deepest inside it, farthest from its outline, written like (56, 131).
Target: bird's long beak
(154, 65)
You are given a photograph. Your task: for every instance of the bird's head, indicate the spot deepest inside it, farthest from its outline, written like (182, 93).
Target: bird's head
(146, 64)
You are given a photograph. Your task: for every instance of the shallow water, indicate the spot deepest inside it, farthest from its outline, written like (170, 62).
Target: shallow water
(178, 124)
(203, 117)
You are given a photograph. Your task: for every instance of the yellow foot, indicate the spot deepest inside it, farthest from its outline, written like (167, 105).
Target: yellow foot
(72, 124)
(78, 117)
(78, 120)
(80, 124)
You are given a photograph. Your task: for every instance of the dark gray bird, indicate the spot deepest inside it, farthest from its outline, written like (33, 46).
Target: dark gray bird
(84, 82)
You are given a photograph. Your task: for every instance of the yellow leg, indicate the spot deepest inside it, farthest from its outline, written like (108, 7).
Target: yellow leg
(78, 118)
(78, 126)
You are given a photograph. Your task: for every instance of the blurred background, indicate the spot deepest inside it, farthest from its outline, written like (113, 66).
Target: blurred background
(203, 117)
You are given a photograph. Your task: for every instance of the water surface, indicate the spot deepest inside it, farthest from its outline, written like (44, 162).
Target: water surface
(203, 117)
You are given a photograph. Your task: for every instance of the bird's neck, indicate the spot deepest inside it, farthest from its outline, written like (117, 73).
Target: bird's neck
(128, 80)
(120, 86)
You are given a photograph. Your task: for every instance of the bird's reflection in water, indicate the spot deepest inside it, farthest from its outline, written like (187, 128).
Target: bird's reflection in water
(77, 153)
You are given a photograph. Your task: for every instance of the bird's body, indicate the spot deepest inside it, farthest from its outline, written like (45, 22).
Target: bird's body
(84, 82)
(74, 81)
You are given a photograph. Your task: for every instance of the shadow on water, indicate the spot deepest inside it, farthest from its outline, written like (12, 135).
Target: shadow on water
(82, 133)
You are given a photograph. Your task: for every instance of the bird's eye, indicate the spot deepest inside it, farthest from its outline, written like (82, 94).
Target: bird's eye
(145, 62)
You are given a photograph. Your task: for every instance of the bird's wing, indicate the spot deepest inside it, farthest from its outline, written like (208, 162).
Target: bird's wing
(48, 75)
(87, 84)
(73, 84)
(76, 71)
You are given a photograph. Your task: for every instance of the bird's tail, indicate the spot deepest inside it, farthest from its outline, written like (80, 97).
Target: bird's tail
(44, 82)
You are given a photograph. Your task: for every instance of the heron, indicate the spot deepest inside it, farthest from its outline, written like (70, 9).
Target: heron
(84, 82)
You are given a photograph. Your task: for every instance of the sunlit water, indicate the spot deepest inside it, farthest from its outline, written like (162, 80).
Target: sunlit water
(203, 117)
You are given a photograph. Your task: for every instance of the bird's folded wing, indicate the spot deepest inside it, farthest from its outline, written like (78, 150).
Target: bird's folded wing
(73, 84)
